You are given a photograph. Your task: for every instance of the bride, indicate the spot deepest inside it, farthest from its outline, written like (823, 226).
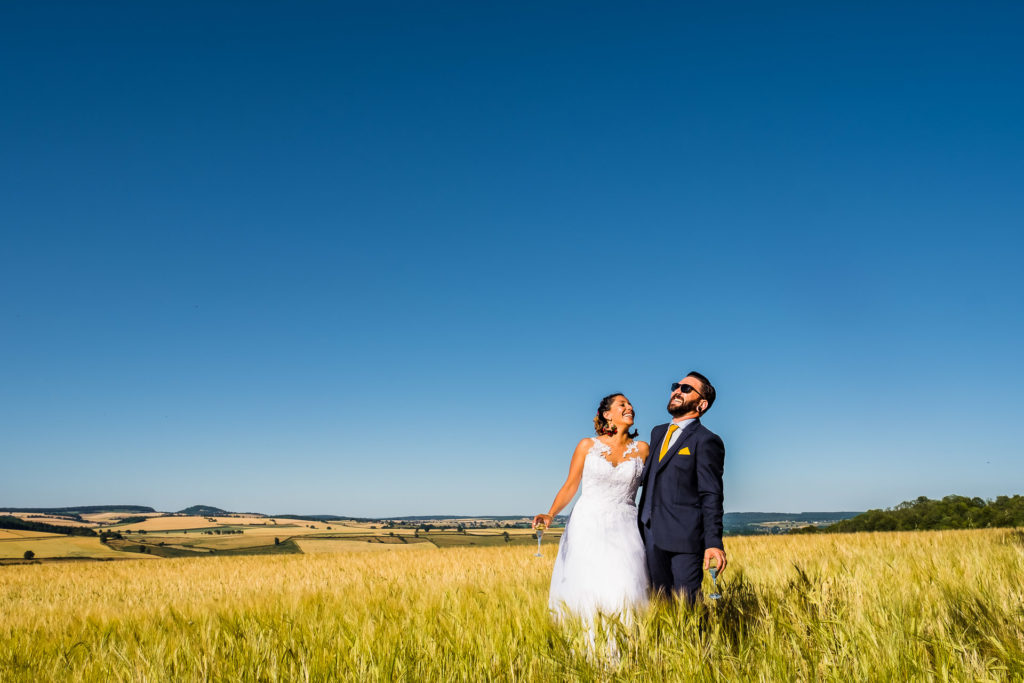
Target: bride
(601, 567)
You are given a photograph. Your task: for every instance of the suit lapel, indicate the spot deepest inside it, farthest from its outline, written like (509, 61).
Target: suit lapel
(655, 448)
(683, 436)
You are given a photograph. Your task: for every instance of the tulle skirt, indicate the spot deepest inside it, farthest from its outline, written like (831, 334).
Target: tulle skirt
(601, 566)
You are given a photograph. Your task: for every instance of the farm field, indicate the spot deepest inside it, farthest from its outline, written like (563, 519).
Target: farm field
(59, 547)
(114, 517)
(178, 536)
(174, 523)
(48, 519)
(313, 545)
(883, 606)
(333, 540)
(23, 534)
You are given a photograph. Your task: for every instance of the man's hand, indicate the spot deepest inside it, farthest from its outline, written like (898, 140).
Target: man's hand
(716, 554)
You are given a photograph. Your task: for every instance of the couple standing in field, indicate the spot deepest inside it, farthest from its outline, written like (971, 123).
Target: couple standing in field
(613, 553)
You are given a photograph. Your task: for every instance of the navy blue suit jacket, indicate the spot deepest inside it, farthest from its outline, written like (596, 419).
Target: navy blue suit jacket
(681, 503)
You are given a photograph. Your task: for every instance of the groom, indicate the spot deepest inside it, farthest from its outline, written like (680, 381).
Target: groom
(680, 511)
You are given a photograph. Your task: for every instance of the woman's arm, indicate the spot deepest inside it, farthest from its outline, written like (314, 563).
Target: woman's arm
(644, 450)
(569, 488)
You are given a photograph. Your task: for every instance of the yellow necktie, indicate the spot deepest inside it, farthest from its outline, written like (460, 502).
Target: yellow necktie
(668, 437)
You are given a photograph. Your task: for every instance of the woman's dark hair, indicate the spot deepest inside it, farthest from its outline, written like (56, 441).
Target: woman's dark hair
(601, 425)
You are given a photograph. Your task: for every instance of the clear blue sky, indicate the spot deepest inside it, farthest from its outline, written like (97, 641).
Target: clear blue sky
(385, 258)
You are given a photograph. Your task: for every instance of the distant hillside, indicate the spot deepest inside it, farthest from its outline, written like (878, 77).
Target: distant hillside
(203, 511)
(326, 518)
(500, 518)
(406, 518)
(741, 523)
(8, 522)
(952, 512)
(734, 523)
(82, 509)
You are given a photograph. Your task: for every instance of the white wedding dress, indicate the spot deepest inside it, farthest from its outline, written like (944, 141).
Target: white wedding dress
(601, 565)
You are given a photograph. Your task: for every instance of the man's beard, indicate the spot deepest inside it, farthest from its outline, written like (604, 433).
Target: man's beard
(688, 405)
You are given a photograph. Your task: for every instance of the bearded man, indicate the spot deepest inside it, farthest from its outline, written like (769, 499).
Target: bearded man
(680, 510)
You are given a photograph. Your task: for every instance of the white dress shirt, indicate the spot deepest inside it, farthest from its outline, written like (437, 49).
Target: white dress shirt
(681, 424)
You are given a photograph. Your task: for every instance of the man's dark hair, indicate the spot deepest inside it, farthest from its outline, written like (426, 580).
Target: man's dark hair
(709, 391)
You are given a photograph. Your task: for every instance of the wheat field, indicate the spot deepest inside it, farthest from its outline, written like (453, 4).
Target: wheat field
(56, 546)
(23, 534)
(323, 545)
(858, 607)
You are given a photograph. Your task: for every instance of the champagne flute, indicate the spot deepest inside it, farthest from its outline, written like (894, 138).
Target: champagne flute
(540, 532)
(714, 582)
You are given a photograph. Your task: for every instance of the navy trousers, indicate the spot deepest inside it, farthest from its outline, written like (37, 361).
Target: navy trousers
(674, 573)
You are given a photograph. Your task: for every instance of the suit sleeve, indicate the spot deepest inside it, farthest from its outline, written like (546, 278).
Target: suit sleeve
(710, 466)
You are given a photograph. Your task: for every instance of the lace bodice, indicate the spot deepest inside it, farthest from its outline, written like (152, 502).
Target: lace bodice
(604, 482)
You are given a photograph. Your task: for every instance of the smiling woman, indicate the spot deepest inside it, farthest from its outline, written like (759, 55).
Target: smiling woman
(614, 406)
(600, 565)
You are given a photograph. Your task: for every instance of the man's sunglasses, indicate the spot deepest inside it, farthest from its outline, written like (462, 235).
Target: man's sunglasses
(685, 388)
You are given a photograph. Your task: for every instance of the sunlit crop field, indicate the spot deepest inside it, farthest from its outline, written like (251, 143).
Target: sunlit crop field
(54, 546)
(23, 534)
(255, 523)
(861, 607)
(327, 545)
(111, 517)
(48, 519)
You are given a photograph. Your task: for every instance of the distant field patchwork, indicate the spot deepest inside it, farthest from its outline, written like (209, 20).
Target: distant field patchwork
(148, 535)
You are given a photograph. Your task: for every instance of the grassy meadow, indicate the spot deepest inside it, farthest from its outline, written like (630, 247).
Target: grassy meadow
(943, 605)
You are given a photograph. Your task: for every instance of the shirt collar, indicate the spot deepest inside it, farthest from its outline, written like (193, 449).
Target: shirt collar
(682, 423)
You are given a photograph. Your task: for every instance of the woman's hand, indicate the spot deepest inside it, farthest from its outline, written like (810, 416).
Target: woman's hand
(544, 520)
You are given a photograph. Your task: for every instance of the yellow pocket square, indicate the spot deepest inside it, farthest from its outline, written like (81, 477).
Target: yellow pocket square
(685, 450)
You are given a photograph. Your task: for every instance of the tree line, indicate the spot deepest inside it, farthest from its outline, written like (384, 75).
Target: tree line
(952, 512)
(11, 522)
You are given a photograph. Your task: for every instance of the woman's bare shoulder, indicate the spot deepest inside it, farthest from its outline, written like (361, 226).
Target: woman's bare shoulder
(585, 444)
(643, 448)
